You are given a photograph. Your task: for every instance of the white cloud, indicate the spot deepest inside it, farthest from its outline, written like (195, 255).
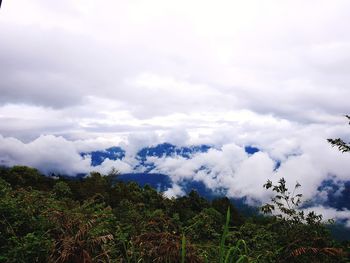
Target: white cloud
(331, 213)
(47, 153)
(84, 75)
(160, 58)
(121, 166)
(305, 157)
(174, 191)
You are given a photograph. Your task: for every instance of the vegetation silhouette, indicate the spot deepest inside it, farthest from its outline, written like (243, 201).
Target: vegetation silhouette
(94, 219)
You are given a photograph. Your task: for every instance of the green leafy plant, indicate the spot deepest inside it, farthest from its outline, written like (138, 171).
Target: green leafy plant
(286, 203)
(305, 236)
(183, 249)
(238, 253)
(43, 219)
(224, 236)
(339, 143)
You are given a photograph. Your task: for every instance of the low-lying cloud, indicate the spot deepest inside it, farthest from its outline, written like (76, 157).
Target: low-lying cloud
(84, 75)
(297, 153)
(303, 156)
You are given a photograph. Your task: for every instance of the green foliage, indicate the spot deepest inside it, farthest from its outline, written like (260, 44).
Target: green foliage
(339, 143)
(221, 204)
(205, 226)
(261, 239)
(183, 249)
(23, 176)
(62, 190)
(82, 234)
(23, 236)
(305, 236)
(33, 247)
(97, 219)
(224, 236)
(285, 204)
(188, 206)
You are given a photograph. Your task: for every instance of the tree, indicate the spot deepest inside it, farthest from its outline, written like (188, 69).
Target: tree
(342, 146)
(23, 229)
(305, 236)
(62, 190)
(221, 204)
(83, 233)
(205, 226)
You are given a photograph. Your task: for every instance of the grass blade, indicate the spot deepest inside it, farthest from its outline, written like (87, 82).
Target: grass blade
(183, 249)
(224, 236)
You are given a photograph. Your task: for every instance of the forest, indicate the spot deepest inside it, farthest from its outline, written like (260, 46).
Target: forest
(101, 219)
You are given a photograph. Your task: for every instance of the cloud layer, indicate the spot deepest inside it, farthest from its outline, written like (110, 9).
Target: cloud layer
(98, 68)
(303, 156)
(78, 76)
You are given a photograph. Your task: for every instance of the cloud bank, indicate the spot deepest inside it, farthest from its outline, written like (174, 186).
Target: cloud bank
(299, 154)
(303, 156)
(78, 76)
(85, 69)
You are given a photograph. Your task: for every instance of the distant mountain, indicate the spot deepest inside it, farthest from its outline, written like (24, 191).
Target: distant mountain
(337, 197)
(161, 182)
(112, 153)
(338, 194)
(168, 150)
(159, 151)
(251, 149)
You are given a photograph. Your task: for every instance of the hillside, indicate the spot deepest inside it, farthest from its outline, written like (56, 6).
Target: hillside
(45, 219)
(144, 169)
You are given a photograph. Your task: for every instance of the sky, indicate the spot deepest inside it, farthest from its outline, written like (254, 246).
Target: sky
(82, 75)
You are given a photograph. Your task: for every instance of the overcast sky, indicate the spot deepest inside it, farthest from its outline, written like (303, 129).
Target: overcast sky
(84, 68)
(83, 74)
